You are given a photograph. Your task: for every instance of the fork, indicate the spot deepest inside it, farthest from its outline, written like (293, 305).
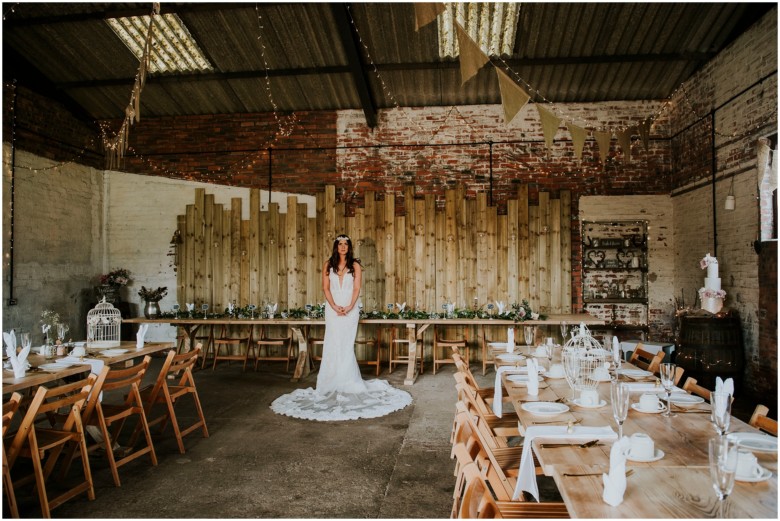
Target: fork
(588, 444)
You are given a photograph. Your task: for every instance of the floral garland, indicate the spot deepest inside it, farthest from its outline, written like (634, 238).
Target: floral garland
(711, 293)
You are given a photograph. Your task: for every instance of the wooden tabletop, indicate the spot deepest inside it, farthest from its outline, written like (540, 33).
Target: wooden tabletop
(677, 485)
(35, 378)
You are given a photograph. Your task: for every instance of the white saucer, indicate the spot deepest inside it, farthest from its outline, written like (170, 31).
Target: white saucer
(661, 408)
(755, 441)
(765, 475)
(53, 366)
(602, 403)
(685, 400)
(545, 408)
(607, 379)
(658, 455)
(555, 377)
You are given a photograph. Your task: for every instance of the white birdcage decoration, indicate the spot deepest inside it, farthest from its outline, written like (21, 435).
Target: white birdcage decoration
(582, 355)
(103, 325)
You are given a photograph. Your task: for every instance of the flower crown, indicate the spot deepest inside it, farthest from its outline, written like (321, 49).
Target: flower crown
(343, 237)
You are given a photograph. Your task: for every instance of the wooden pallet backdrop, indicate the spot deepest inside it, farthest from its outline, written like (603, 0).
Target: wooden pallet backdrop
(464, 252)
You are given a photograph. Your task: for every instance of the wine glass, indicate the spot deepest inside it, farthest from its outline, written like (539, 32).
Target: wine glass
(620, 394)
(723, 467)
(26, 339)
(720, 403)
(571, 367)
(667, 380)
(529, 332)
(564, 330)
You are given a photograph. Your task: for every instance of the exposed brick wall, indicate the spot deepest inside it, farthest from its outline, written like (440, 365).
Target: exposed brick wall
(763, 367)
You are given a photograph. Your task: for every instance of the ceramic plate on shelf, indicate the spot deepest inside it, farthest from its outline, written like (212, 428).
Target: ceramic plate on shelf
(509, 357)
(661, 408)
(658, 455)
(545, 408)
(755, 441)
(685, 400)
(521, 378)
(765, 475)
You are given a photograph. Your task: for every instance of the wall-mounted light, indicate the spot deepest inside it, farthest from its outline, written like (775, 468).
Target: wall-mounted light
(730, 201)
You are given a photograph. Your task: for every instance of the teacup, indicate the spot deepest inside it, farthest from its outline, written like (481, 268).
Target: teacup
(600, 373)
(747, 465)
(642, 446)
(78, 351)
(541, 351)
(589, 397)
(549, 341)
(556, 371)
(649, 402)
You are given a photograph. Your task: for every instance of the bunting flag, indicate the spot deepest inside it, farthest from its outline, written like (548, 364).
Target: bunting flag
(578, 135)
(644, 132)
(624, 140)
(549, 125)
(425, 13)
(513, 97)
(602, 139)
(471, 56)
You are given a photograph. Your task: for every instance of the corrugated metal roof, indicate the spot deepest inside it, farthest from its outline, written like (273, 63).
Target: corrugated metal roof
(577, 52)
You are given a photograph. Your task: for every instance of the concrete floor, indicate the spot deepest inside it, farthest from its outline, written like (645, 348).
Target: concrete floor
(258, 464)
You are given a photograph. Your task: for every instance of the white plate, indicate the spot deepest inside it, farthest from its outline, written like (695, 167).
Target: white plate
(658, 455)
(685, 400)
(661, 408)
(545, 408)
(602, 403)
(521, 378)
(765, 475)
(555, 377)
(113, 352)
(509, 357)
(755, 441)
(54, 366)
(605, 379)
(635, 372)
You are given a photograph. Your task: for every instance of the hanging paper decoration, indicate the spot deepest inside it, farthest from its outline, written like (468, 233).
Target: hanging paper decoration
(602, 139)
(578, 135)
(471, 56)
(425, 13)
(624, 140)
(644, 132)
(549, 125)
(513, 97)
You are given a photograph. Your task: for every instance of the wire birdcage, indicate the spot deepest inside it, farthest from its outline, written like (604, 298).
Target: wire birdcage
(103, 326)
(582, 355)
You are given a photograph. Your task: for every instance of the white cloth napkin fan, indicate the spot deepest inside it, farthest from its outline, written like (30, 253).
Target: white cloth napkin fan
(500, 305)
(724, 387)
(510, 339)
(615, 481)
(139, 336)
(19, 362)
(190, 307)
(400, 307)
(533, 378)
(615, 348)
(498, 388)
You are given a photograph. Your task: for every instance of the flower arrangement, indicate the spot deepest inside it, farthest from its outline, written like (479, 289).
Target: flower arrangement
(524, 312)
(152, 295)
(49, 321)
(707, 260)
(711, 293)
(116, 278)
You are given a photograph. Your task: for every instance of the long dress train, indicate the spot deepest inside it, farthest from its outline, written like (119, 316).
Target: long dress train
(341, 392)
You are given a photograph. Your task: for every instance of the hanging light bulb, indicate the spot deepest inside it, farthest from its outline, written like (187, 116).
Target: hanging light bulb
(730, 200)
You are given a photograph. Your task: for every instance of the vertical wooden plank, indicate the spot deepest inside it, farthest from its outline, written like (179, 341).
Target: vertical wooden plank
(329, 225)
(502, 260)
(450, 259)
(463, 237)
(389, 242)
(523, 245)
(363, 248)
(485, 263)
(533, 258)
(371, 273)
(291, 247)
(199, 293)
(277, 273)
(380, 240)
(313, 265)
(235, 250)
(512, 262)
(420, 257)
(217, 268)
(244, 263)
(400, 260)
(255, 289)
(429, 228)
(280, 292)
(441, 258)
(180, 261)
(208, 249)
(300, 249)
(227, 261)
(471, 254)
(265, 275)
(189, 255)
(566, 253)
(555, 255)
(410, 278)
(543, 251)
(340, 218)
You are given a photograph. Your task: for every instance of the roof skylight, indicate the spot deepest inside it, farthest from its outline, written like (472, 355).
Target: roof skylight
(491, 25)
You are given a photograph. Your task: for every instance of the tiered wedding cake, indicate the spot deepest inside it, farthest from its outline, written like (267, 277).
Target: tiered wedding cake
(711, 295)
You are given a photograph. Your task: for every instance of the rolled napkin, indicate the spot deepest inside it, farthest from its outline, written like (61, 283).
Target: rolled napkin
(498, 388)
(510, 339)
(615, 481)
(533, 377)
(724, 387)
(19, 362)
(649, 387)
(526, 479)
(139, 336)
(615, 348)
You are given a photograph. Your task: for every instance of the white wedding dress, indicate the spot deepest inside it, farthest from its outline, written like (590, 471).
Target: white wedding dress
(341, 392)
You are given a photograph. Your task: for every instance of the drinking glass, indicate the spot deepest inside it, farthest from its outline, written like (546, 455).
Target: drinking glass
(667, 380)
(550, 352)
(723, 466)
(529, 332)
(620, 395)
(571, 367)
(26, 339)
(720, 403)
(564, 331)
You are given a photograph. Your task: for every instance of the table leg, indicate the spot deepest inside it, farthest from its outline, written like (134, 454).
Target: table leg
(303, 365)
(411, 370)
(190, 330)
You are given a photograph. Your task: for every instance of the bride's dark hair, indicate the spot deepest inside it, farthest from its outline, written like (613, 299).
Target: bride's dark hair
(333, 262)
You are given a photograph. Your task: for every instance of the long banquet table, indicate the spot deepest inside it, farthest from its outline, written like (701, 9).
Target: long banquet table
(415, 330)
(40, 377)
(676, 486)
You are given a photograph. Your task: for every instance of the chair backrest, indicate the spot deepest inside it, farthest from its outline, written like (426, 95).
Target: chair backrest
(173, 365)
(647, 360)
(9, 410)
(466, 376)
(111, 379)
(692, 387)
(761, 421)
(477, 501)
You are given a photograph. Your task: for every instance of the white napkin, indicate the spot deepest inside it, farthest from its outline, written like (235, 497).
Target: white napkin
(725, 387)
(533, 377)
(401, 307)
(510, 339)
(615, 481)
(500, 305)
(19, 362)
(649, 387)
(190, 307)
(615, 348)
(231, 306)
(139, 336)
(526, 479)
(497, 388)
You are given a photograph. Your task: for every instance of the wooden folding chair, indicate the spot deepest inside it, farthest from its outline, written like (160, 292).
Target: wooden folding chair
(399, 350)
(441, 344)
(693, 388)
(9, 411)
(468, 393)
(230, 344)
(477, 500)
(161, 393)
(485, 392)
(44, 445)
(273, 348)
(105, 415)
(646, 360)
(761, 421)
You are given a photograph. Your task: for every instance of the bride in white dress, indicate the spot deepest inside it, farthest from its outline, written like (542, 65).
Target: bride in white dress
(341, 392)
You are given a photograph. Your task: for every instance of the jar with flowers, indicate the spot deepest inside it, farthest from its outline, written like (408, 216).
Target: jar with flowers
(111, 283)
(151, 298)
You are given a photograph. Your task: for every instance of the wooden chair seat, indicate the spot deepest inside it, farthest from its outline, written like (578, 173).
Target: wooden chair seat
(229, 348)
(442, 343)
(399, 350)
(376, 360)
(274, 349)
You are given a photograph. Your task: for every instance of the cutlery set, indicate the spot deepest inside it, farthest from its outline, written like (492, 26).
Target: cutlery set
(586, 445)
(568, 475)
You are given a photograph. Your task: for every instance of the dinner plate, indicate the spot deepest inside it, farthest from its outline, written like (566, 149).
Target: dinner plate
(635, 372)
(685, 400)
(605, 379)
(661, 408)
(509, 357)
(601, 403)
(658, 455)
(765, 475)
(521, 378)
(755, 441)
(54, 366)
(545, 408)
(113, 352)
